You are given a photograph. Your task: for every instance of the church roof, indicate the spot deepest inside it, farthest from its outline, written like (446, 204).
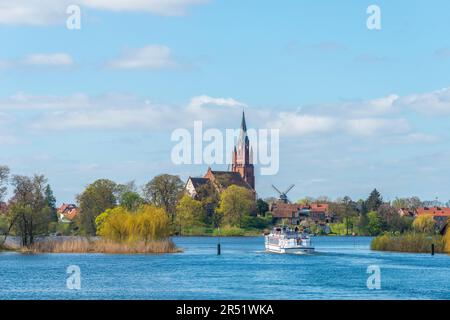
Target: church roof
(228, 178)
(196, 182)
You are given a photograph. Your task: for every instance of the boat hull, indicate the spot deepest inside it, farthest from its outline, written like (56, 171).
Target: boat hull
(290, 250)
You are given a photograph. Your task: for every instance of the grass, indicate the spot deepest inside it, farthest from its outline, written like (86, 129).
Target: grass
(408, 242)
(84, 245)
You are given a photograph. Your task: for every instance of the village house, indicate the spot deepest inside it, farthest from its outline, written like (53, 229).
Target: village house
(405, 212)
(440, 215)
(241, 174)
(295, 214)
(67, 212)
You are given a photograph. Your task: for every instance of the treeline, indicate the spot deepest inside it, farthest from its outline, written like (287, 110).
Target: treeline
(372, 216)
(234, 209)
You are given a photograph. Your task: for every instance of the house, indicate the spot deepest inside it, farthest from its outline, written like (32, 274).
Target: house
(319, 213)
(287, 213)
(440, 215)
(294, 214)
(67, 212)
(405, 212)
(241, 174)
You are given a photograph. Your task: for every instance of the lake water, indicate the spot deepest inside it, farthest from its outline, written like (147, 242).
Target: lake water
(244, 271)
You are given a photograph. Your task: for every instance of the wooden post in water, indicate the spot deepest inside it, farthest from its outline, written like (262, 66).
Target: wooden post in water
(218, 242)
(432, 249)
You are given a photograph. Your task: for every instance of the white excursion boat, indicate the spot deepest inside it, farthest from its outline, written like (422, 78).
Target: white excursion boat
(285, 240)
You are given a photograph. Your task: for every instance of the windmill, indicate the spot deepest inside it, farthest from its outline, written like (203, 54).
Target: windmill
(283, 195)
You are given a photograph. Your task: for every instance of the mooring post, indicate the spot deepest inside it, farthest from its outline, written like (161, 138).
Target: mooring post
(218, 241)
(432, 249)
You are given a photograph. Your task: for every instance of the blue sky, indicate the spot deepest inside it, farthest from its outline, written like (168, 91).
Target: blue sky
(357, 108)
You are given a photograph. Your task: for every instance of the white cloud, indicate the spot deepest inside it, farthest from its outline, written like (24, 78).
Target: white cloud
(198, 102)
(294, 124)
(160, 7)
(52, 60)
(149, 57)
(384, 118)
(48, 12)
(432, 103)
(373, 126)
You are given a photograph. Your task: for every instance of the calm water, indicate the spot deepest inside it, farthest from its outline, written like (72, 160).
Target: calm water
(243, 271)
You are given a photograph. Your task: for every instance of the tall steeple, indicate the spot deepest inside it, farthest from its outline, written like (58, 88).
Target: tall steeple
(242, 155)
(243, 124)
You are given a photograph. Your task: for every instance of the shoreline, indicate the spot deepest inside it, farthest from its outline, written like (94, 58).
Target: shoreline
(87, 245)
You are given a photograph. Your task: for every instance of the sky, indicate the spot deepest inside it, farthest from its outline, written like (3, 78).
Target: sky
(357, 109)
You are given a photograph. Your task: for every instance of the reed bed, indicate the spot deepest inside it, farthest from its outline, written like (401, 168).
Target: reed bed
(409, 242)
(85, 245)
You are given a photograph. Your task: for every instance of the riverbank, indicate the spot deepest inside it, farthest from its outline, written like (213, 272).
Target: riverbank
(409, 242)
(91, 245)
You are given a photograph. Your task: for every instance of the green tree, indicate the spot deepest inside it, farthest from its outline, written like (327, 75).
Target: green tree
(209, 198)
(346, 210)
(50, 203)
(29, 215)
(262, 207)
(236, 203)
(131, 200)
(189, 213)
(374, 223)
(164, 191)
(95, 199)
(374, 201)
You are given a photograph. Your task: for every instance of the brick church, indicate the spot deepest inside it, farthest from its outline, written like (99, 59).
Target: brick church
(242, 170)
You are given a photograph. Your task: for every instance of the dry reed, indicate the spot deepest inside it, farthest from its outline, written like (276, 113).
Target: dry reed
(85, 245)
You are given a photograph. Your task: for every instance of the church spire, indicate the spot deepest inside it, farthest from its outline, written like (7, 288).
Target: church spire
(243, 124)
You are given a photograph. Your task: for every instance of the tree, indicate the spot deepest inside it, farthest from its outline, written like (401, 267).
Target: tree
(114, 224)
(261, 207)
(390, 218)
(374, 201)
(164, 191)
(131, 200)
(189, 212)
(4, 175)
(424, 223)
(236, 203)
(146, 224)
(374, 223)
(209, 198)
(50, 203)
(346, 210)
(29, 214)
(400, 203)
(95, 199)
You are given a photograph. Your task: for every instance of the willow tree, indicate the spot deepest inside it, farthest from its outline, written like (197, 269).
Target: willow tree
(145, 224)
(424, 223)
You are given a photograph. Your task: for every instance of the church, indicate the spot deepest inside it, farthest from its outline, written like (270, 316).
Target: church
(242, 171)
